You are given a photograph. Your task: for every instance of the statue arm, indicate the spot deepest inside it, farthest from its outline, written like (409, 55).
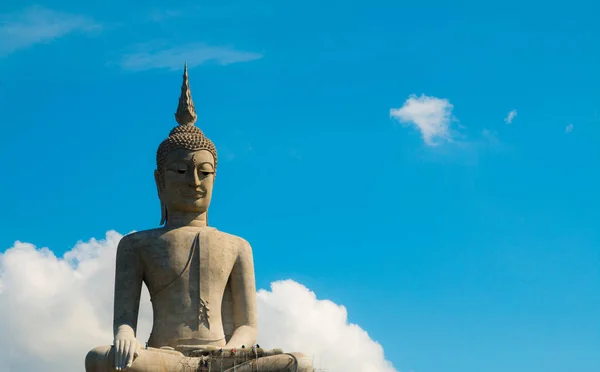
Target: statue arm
(128, 287)
(243, 288)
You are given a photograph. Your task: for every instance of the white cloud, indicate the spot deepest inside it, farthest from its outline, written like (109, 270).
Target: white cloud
(53, 310)
(432, 116)
(291, 317)
(569, 128)
(510, 117)
(152, 56)
(36, 25)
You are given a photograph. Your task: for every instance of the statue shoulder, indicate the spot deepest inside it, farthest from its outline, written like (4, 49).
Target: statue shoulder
(234, 240)
(138, 239)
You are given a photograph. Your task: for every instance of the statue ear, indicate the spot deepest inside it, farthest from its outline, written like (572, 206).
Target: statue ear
(163, 213)
(159, 186)
(158, 181)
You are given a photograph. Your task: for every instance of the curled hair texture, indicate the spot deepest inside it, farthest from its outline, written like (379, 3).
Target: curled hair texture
(187, 137)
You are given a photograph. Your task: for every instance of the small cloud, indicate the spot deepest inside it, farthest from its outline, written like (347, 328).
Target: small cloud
(569, 128)
(37, 25)
(150, 56)
(510, 117)
(432, 116)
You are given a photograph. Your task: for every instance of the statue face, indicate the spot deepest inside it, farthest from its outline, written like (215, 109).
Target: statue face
(188, 180)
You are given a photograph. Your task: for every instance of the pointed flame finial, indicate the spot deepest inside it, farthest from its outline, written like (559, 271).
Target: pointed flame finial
(186, 114)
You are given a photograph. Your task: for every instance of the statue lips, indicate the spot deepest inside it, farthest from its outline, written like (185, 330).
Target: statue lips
(194, 194)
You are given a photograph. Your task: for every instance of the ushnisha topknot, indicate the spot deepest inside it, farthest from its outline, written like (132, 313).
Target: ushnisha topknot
(185, 135)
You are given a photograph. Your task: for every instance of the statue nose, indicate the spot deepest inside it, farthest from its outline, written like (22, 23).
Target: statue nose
(194, 178)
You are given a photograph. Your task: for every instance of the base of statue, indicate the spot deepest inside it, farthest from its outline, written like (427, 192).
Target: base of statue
(101, 359)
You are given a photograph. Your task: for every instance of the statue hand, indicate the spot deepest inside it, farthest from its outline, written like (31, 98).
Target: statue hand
(126, 349)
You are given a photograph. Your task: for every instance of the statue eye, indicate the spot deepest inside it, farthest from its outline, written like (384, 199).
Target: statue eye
(205, 174)
(181, 171)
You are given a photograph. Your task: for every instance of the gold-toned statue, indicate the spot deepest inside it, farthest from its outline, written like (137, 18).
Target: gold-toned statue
(201, 280)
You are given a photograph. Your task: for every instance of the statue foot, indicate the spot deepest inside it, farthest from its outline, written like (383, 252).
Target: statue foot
(288, 362)
(101, 359)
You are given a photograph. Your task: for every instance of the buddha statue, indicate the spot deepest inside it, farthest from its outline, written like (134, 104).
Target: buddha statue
(201, 280)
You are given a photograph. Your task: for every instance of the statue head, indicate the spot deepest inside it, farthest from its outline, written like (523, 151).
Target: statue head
(186, 162)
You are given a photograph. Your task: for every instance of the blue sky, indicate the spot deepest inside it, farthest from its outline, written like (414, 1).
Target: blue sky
(478, 251)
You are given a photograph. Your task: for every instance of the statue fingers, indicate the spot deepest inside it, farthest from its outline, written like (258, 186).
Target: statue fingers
(125, 354)
(118, 353)
(138, 347)
(131, 353)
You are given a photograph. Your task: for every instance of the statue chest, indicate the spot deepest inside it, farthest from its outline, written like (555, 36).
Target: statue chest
(191, 266)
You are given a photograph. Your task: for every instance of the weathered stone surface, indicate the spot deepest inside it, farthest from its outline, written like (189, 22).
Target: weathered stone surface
(201, 280)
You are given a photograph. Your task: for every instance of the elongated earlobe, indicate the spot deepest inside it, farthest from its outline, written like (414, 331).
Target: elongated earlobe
(163, 213)
(163, 207)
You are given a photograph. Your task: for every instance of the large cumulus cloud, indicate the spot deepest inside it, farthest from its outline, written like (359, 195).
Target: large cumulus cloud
(54, 309)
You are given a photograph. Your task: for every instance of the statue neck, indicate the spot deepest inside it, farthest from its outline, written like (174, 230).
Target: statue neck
(180, 219)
